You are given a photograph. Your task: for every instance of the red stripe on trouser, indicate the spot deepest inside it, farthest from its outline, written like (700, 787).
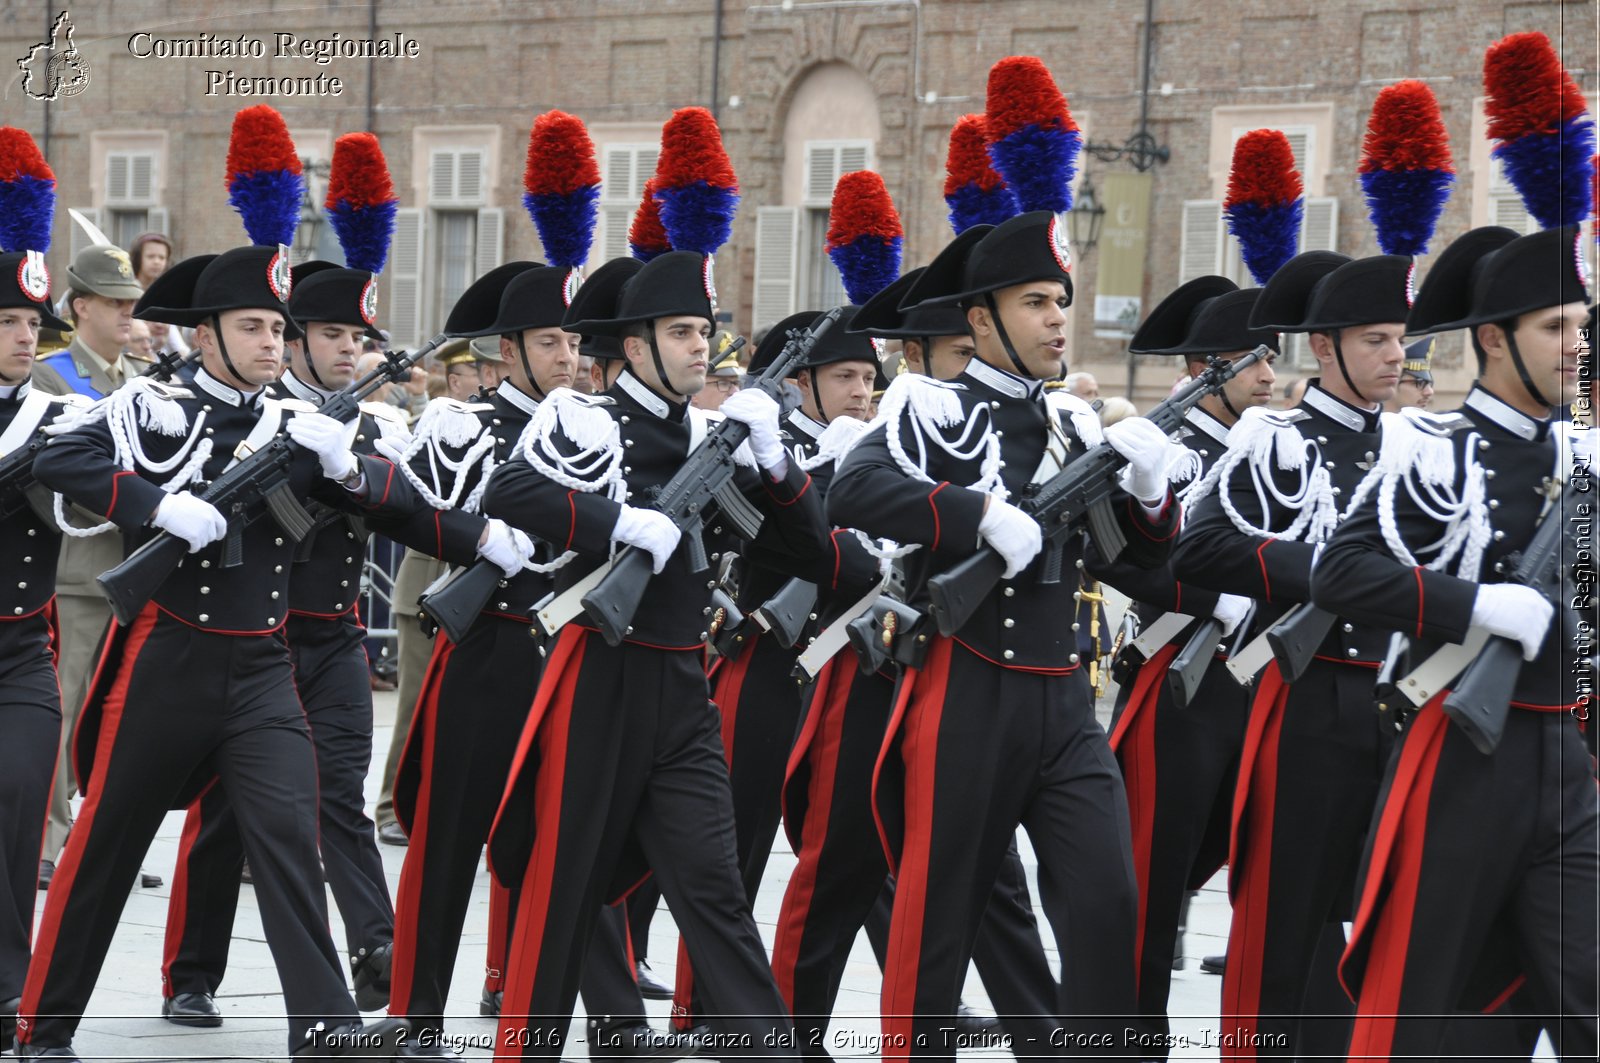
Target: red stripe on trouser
(408, 894)
(824, 757)
(178, 905)
(494, 957)
(1134, 743)
(902, 698)
(1250, 866)
(1389, 890)
(725, 693)
(533, 910)
(801, 751)
(920, 751)
(83, 826)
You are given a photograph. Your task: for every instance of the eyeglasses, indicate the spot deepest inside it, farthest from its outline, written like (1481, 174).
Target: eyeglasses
(1418, 380)
(722, 384)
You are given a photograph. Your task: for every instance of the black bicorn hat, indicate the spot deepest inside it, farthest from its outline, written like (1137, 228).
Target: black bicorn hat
(596, 300)
(1320, 291)
(533, 298)
(201, 287)
(882, 317)
(479, 305)
(1208, 315)
(1490, 275)
(324, 291)
(25, 284)
(676, 284)
(983, 259)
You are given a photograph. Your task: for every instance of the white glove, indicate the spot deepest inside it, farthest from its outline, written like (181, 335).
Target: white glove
(758, 410)
(1147, 450)
(324, 437)
(1515, 612)
(1015, 536)
(190, 518)
(505, 546)
(648, 529)
(1230, 609)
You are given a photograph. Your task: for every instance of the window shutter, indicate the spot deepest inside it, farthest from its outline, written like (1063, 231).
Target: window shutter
(141, 178)
(405, 278)
(627, 167)
(1201, 251)
(160, 221)
(78, 240)
(1505, 205)
(827, 161)
(117, 178)
(469, 177)
(442, 177)
(491, 236)
(853, 157)
(130, 178)
(1319, 231)
(777, 267)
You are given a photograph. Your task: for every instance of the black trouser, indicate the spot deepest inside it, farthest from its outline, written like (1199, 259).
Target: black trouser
(30, 720)
(840, 884)
(985, 749)
(759, 702)
(331, 677)
(474, 700)
(621, 767)
(1179, 767)
(187, 703)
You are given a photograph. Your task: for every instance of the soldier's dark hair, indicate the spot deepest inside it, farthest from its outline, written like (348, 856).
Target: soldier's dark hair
(73, 295)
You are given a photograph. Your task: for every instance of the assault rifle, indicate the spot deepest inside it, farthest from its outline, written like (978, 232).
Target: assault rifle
(1189, 666)
(257, 483)
(1077, 496)
(1481, 699)
(705, 478)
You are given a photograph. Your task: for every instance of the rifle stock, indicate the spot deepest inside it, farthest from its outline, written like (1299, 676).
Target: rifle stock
(457, 603)
(788, 611)
(1481, 701)
(1188, 668)
(129, 585)
(685, 498)
(1295, 638)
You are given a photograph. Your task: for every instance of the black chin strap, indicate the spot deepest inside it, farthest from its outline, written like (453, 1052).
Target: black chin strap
(816, 397)
(927, 355)
(1005, 340)
(222, 349)
(1522, 367)
(1338, 356)
(655, 354)
(522, 353)
(311, 367)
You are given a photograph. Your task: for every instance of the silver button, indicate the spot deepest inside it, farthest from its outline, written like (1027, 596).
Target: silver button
(205, 590)
(204, 617)
(1494, 503)
(627, 442)
(272, 620)
(1488, 474)
(22, 586)
(994, 404)
(504, 605)
(1009, 654)
(33, 531)
(500, 441)
(1010, 622)
(623, 418)
(1349, 628)
(1076, 626)
(17, 611)
(1323, 440)
(1327, 465)
(1073, 659)
(711, 584)
(277, 542)
(627, 468)
(1351, 652)
(273, 595)
(211, 431)
(348, 560)
(277, 568)
(344, 583)
(205, 564)
(706, 611)
(338, 605)
(1483, 444)
(1011, 592)
(704, 635)
(1499, 535)
(27, 560)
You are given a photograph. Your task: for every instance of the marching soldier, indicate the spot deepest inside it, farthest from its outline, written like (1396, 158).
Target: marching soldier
(30, 701)
(938, 474)
(1313, 749)
(325, 637)
(157, 736)
(1179, 762)
(620, 758)
(1480, 869)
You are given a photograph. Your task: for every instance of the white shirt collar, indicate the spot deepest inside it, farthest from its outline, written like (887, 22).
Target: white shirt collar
(642, 394)
(1002, 381)
(804, 422)
(16, 392)
(301, 390)
(225, 392)
(1508, 417)
(517, 397)
(1352, 418)
(1204, 422)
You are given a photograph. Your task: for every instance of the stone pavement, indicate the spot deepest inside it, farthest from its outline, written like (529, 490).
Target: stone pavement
(124, 1014)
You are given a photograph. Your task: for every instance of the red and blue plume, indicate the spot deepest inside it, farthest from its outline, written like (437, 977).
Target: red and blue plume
(27, 193)
(361, 203)
(1264, 204)
(695, 184)
(561, 187)
(647, 237)
(264, 179)
(1541, 123)
(1033, 141)
(1405, 167)
(865, 238)
(975, 194)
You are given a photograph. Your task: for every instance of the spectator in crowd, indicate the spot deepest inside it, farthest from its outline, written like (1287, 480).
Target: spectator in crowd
(1115, 409)
(141, 348)
(150, 254)
(461, 377)
(1083, 385)
(722, 379)
(490, 368)
(1416, 377)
